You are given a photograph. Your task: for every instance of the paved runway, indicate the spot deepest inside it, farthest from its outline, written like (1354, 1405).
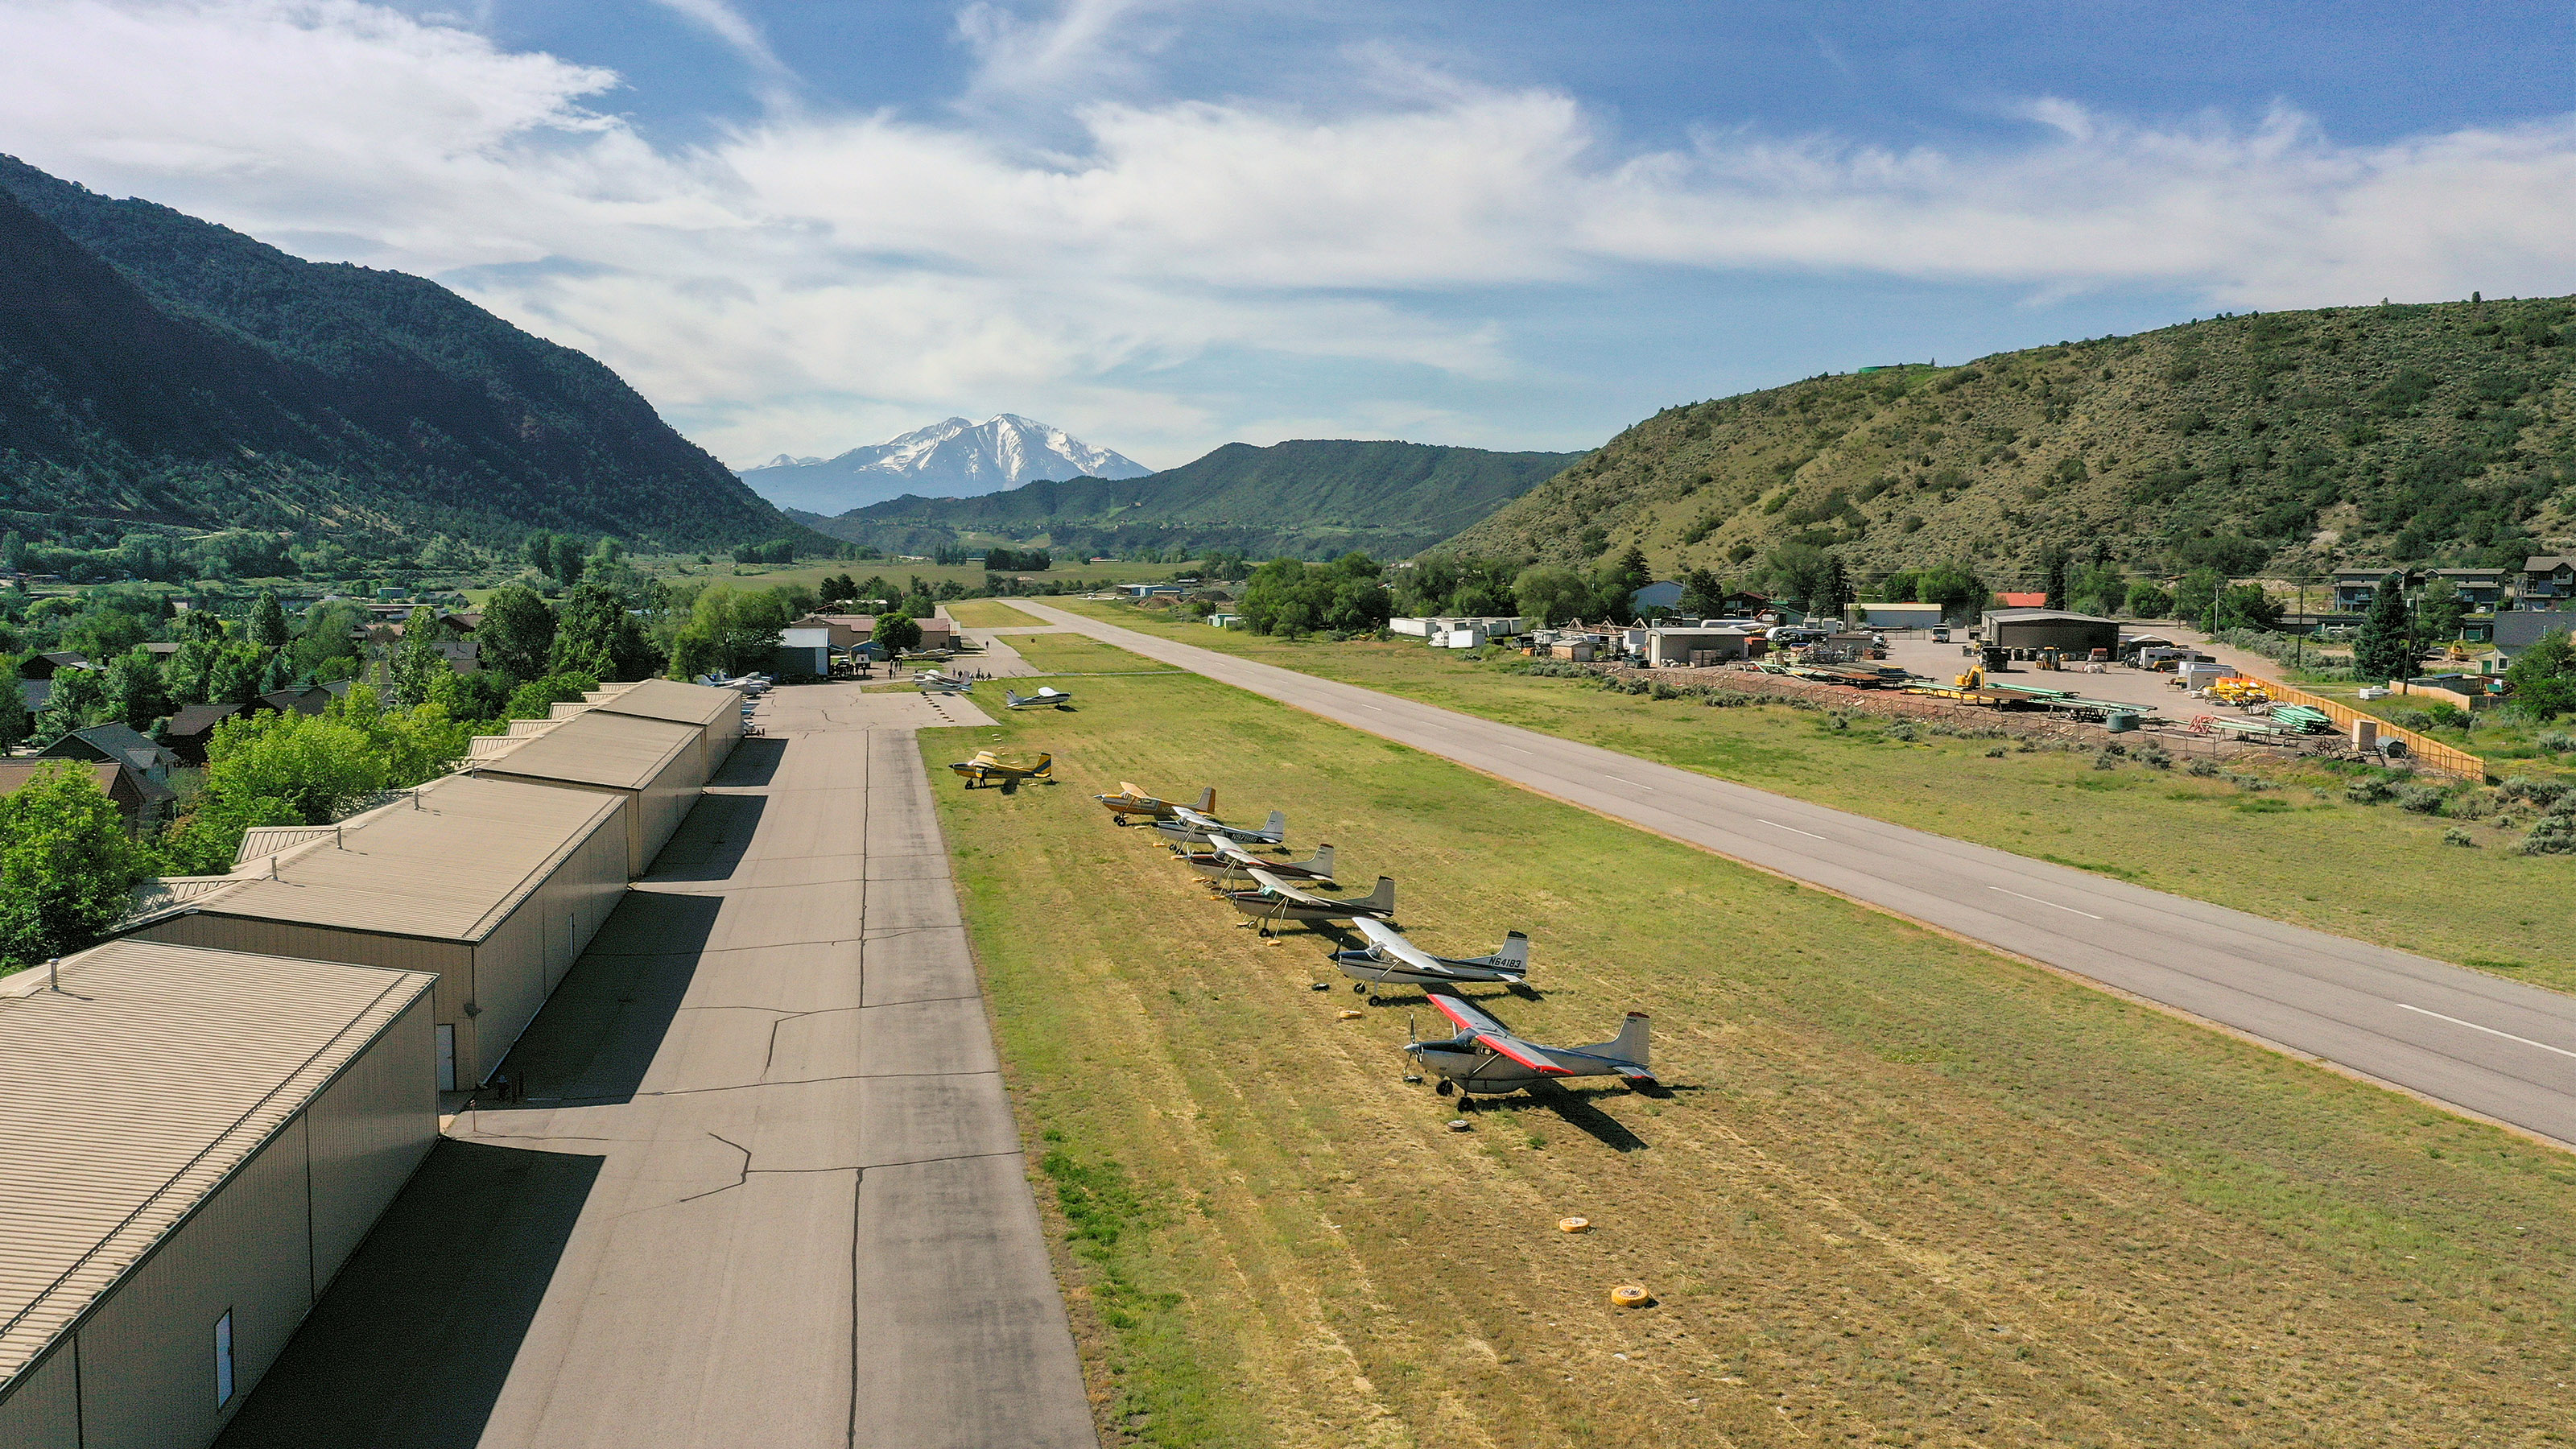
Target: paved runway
(2489, 1046)
(764, 1188)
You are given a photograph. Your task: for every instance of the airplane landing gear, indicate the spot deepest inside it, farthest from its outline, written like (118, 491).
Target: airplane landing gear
(1358, 987)
(1446, 1087)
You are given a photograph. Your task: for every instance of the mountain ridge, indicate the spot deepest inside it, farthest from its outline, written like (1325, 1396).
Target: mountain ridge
(155, 367)
(952, 458)
(2297, 442)
(1309, 496)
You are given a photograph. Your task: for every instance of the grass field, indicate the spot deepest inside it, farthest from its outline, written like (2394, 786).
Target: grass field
(2371, 872)
(1901, 1191)
(990, 614)
(1074, 654)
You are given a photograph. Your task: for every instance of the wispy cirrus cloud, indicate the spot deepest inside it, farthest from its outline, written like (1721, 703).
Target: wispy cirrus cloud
(807, 279)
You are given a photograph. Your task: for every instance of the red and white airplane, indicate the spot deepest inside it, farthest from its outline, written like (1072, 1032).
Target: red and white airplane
(1484, 1058)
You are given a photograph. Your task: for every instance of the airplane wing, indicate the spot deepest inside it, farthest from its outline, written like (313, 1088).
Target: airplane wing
(1226, 849)
(1492, 1034)
(1190, 817)
(1393, 943)
(1278, 887)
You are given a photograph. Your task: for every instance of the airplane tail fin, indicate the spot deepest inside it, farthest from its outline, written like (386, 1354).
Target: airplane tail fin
(1278, 828)
(1045, 769)
(1381, 900)
(1514, 957)
(1011, 697)
(1207, 801)
(1628, 1046)
(1322, 864)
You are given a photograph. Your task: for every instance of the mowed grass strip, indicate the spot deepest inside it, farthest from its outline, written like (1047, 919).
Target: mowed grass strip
(1902, 1191)
(990, 614)
(2370, 872)
(1079, 654)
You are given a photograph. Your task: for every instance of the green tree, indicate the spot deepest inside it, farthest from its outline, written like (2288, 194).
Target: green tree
(2054, 570)
(328, 642)
(1955, 587)
(2196, 592)
(537, 698)
(1837, 590)
(2383, 648)
(2543, 678)
(2245, 606)
(66, 865)
(15, 722)
(897, 632)
(540, 548)
(597, 636)
(730, 630)
(268, 622)
(569, 561)
(1615, 585)
(1703, 593)
(2441, 611)
(517, 635)
(135, 691)
(1800, 571)
(2148, 600)
(418, 663)
(79, 700)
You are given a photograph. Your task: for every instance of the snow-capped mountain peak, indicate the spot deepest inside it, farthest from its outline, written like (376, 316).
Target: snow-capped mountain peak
(952, 458)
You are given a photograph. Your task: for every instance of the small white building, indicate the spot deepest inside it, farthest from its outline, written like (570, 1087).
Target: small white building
(1893, 616)
(805, 651)
(1494, 626)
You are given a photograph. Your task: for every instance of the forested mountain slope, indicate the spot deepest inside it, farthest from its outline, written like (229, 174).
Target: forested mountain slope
(1308, 498)
(161, 369)
(2294, 442)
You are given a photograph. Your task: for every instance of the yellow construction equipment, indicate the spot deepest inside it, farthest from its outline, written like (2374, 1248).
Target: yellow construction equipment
(1973, 679)
(2239, 691)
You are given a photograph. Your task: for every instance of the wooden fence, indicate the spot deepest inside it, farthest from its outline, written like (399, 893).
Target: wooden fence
(2427, 754)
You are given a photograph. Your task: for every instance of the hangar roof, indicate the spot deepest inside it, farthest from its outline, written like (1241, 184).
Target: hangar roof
(448, 862)
(137, 1088)
(696, 704)
(597, 747)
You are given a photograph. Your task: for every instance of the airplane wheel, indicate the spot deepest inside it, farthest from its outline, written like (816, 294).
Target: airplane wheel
(1373, 1001)
(1358, 986)
(1446, 1087)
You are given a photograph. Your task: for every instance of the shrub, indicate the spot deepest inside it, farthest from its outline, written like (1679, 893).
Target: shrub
(2557, 741)
(2456, 836)
(2551, 835)
(2420, 799)
(1997, 753)
(2155, 756)
(2411, 719)
(2368, 791)
(2543, 793)
(1903, 731)
(2201, 769)
(2106, 761)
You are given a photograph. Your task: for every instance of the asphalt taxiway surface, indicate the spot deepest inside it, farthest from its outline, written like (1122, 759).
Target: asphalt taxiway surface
(761, 1186)
(2491, 1047)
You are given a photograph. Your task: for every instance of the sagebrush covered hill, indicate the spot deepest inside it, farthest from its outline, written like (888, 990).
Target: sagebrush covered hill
(2290, 442)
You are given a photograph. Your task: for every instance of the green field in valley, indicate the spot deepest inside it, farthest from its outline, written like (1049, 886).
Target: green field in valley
(2281, 841)
(1901, 1191)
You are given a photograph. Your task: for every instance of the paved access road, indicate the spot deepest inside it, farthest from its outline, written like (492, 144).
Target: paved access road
(2493, 1047)
(763, 1188)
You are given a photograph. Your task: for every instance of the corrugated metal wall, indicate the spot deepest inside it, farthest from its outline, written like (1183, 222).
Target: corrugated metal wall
(665, 803)
(148, 1353)
(721, 736)
(366, 1133)
(43, 1407)
(523, 960)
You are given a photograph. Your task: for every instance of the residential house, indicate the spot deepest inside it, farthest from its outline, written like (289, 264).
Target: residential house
(192, 728)
(2024, 601)
(115, 742)
(142, 802)
(2482, 589)
(2548, 581)
(2354, 588)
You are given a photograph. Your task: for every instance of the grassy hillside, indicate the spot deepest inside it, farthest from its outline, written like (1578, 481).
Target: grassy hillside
(2297, 442)
(1309, 498)
(158, 369)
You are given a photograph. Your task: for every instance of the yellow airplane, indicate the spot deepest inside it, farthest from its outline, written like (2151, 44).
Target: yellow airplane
(1131, 799)
(987, 767)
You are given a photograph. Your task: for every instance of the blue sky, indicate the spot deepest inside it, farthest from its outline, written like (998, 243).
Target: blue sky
(803, 226)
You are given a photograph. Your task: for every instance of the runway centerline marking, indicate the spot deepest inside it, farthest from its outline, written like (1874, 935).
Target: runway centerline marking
(1631, 784)
(2088, 915)
(1792, 829)
(2491, 1031)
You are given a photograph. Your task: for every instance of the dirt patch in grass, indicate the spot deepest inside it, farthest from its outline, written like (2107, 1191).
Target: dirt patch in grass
(1901, 1191)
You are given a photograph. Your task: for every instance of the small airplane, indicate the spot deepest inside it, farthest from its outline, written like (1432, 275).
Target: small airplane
(1186, 825)
(1484, 1057)
(935, 682)
(1047, 694)
(987, 767)
(1273, 900)
(1225, 860)
(935, 656)
(1390, 957)
(1131, 799)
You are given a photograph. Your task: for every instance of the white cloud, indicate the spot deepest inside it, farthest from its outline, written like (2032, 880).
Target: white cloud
(785, 283)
